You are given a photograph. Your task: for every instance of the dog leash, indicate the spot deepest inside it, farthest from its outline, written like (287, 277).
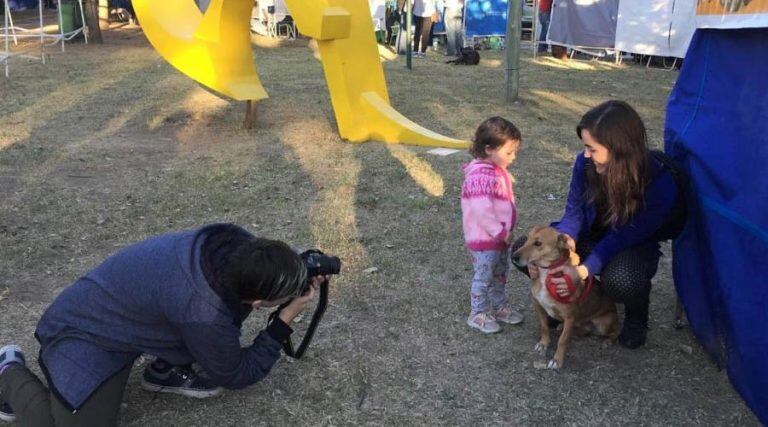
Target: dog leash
(552, 286)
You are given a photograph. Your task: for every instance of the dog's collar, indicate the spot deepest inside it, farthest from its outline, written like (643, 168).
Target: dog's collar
(555, 264)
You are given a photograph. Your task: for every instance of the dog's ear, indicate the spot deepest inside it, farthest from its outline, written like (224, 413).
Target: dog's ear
(564, 245)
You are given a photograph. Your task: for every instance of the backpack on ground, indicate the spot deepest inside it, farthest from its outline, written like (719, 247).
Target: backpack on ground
(468, 56)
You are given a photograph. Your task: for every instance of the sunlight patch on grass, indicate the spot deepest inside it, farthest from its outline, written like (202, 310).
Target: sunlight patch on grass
(576, 64)
(421, 171)
(565, 153)
(561, 101)
(19, 125)
(199, 106)
(334, 175)
(492, 63)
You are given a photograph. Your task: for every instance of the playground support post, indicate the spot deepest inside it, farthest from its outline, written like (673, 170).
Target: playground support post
(514, 17)
(408, 45)
(5, 41)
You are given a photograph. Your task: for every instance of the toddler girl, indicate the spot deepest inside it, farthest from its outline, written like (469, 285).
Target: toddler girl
(489, 214)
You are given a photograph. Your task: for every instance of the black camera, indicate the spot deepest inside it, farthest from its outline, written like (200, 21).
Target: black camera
(319, 264)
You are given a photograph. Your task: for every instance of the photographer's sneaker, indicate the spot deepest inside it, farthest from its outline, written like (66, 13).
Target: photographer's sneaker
(181, 380)
(484, 322)
(6, 413)
(9, 354)
(508, 315)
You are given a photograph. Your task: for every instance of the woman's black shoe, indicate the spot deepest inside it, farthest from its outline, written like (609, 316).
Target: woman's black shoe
(635, 329)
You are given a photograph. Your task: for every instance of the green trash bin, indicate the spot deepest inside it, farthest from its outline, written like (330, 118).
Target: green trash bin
(70, 16)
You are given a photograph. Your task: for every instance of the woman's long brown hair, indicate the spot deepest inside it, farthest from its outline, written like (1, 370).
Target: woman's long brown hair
(618, 193)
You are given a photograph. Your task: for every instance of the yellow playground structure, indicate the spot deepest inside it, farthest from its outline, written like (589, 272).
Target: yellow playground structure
(213, 48)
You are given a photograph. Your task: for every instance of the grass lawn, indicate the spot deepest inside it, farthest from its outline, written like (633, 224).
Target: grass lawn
(106, 145)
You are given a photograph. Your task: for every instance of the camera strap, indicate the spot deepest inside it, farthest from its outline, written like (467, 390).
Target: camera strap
(318, 314)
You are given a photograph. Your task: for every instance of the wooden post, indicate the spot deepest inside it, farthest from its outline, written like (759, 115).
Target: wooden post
(408, 46)
(103, 14)
(514, 14)
(92, 20)
(250, 114)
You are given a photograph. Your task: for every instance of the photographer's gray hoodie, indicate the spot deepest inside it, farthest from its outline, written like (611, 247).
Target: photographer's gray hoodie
(150, 297)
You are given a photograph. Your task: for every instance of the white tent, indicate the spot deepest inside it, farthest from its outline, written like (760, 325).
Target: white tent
(655, 27)
(648, 27)
(378, 14)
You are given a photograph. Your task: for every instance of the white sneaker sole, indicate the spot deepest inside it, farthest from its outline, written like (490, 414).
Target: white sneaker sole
(7, 418)
(474, 325)
(510, 322)
(197, 394)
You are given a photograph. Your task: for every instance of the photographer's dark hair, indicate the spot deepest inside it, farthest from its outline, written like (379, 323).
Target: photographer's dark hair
(493, 133)
(264, 269)
(618, 193)
(252, 268)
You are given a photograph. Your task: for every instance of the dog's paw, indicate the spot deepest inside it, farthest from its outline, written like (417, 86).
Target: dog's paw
(553, 365)
(540, 348)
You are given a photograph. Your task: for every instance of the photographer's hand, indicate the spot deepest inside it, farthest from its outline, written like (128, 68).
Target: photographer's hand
(298, 304)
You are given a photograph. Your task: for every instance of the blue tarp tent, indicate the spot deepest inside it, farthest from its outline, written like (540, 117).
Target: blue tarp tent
(22, 4)
(485, 18)
(717, 128)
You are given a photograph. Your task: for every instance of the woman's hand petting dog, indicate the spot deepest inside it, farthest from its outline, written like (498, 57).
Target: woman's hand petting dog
(557, 276)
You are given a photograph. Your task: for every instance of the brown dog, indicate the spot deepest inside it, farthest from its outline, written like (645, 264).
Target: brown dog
(585, 310)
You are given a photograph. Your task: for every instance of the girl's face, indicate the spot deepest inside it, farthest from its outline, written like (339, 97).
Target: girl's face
(599, 154)
(504, 155)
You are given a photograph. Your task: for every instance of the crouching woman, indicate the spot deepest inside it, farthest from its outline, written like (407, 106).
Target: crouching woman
(622, 201)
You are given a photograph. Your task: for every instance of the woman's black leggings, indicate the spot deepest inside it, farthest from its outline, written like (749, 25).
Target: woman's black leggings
(626, 278)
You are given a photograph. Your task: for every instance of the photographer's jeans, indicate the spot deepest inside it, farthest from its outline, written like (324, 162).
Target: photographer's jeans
(34, 405)
(489, 280)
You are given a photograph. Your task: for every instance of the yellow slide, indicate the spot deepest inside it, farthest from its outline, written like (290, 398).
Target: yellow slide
(214, 49)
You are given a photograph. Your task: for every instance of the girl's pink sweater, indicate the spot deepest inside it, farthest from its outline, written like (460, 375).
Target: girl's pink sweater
(487, 205)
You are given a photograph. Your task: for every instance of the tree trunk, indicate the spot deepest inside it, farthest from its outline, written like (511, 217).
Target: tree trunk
(92, 20)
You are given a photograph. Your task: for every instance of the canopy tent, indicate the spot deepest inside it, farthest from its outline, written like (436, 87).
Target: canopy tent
(268, 18)
(717, 129)
(485, 18)
(22, 4)
(648, 27)
(11, 32)
(575, 23)
(489, 17)
(655, 27)
(378, 14)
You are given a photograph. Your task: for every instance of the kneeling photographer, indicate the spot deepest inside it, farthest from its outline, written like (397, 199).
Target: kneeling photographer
(180, 297)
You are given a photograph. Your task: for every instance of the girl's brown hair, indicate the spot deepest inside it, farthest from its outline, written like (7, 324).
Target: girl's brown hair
(618, 193)
(493, 133)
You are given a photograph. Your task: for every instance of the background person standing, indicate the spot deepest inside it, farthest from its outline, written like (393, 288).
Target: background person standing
(545, 12)
(454, 18)
(423, 11)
